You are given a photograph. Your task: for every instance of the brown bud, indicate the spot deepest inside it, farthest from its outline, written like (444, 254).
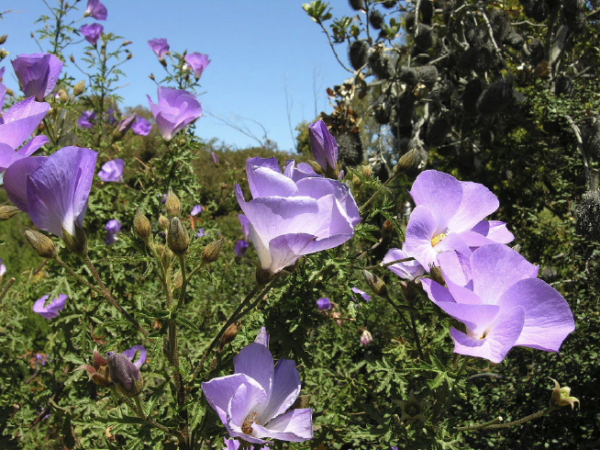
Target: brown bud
(163, 62)
(436, 275)
(41, 244)
(79, 88)
(152, 77)
(3, 38)
(211, 251)
(130, 56)
(406, 161)
(6, 212)
(3, 54)
(387, 228)
(230, 333)
(173, 205)
(71, 58)
(127, 43)
(367, 171)
(141, 226)
(356, 182)
(178, 281)
(376, 284)
(10, 92)
(62, 95)
(163, 223)
(166, 256)
(76, 243)
(178, 239)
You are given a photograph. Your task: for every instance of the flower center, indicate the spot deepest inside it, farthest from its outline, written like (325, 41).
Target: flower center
(248, 422)
(436, 240)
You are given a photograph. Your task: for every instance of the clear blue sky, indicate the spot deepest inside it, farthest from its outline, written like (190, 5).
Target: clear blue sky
(254, 46)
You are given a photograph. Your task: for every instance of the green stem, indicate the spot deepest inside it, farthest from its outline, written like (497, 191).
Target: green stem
(139, 412)
(77, 276)
(183, 282)
(5, 290)
(491, 425)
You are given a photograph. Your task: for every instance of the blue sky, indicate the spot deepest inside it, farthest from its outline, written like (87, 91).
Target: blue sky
(254, 46)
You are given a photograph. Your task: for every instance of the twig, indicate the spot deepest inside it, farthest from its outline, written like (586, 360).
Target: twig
(333, 48)
(577, 133)
(77, 276)
(490, 425)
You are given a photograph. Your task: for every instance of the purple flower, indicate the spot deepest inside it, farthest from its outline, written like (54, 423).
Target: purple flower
(86, 119)
(37, 73)
(125, 373)
(323, 146)
(200, 233)
(125, 125)
(52, 309)
(494, 292)
(112, 171)
(366, 297)
(16, 125)
(245, 226)
(91, 32)
(365, 338)
(240, 248)
(112, 227)
(53, 190)
(292, 215)
(175, 110)
(198, 62)
(141, 126)
(196, 210)
(408, 270)
(214, 158)
(234, 444)
(2, 69)
(110, 116)
(96, 10)
(449, 216)
(252, 404)
(130, 353)
(323, 304)
(2, 268)
(41, 358)
(160, 47)
(163, 200)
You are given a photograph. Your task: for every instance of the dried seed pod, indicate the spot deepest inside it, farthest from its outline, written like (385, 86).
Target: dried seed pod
(376, 19)
(426, 12)
(540, 10)
(427, 75)
(358, 53)
(564, 86)
(425, 38)
(471, 94)
(495, 98)
(356, 5)
(350, 148)
(587, 215)
(381, 65)
(437, 130)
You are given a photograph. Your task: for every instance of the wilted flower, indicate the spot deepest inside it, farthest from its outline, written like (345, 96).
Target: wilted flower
(292, 214)
(196, 210)
(245, 226)
(175, 110)
(366, 297)
(98, 371)
(141, 126)
(323, 304)
(449, 216)
(112, 227)
(323, 146)
(53, 190)
(86, 119)
(160, 47)
(240, 248)
(198, 62)
(91, 32)
(561, 396)
(96, 10)
(51, 310)
(253, 404)
(494, 292)
(365, 338)
(126, 374)
(408, 270)
(112, 171)
(214, 158)
(37, 73)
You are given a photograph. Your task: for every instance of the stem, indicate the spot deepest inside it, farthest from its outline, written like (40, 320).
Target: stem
(490, 425)
(364, 206)
(139, 412)
(77, 276)
(5, 290)
(180, 391)
(109, 297)
(183, 282)
(416, 336)
(333, 48)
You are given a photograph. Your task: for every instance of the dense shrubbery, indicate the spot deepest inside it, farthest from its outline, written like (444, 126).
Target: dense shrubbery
(471, 90)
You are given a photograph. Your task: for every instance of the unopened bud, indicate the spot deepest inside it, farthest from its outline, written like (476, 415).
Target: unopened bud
(10, 92)
(76, 243)
(178, 239)
(367, 171)
(6, 212)
(141, 226)
(387, 228)
(230, 333)
(436, 275)
(316, 167)
(163, 62)
(127, 43)
(178, 281)
(356, 182)
(211, 251)
(3, 38)
(163, 223)
(173, 205)
(376, 284)
(3, 54)
(166, 256)
(41, 244)
(130, 56)
(72, 59)
(152, 77)
(79, 88)
(62, 95)
(406, 161)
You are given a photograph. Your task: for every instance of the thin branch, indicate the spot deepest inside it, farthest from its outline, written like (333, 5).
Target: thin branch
(577, 133)
(333, 49)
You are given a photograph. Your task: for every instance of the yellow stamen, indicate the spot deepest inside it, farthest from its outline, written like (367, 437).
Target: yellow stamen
(436, 240)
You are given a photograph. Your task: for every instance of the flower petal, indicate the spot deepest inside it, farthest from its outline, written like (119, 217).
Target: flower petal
(477, 318)
(248, 398)
(219, 391)
(21, 120)
(15, 180)
(477, 203)
(32, 145)
(286, 388)
(256, 362)
(293, 426)
(419, 232)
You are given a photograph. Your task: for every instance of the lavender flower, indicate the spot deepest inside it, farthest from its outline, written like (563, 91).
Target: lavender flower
(53, 190)
(86, 119)
(37, 73)
(214, 158)
(51, 310)
(245, 226)
(110, 116)
(96, 10)
(198, 62)
(124, 373)
(252, 404)
(323, 146)
(160, 47)
(196, 210)
(131, 352)
(323, 304)
(200, 233)
(175, 110)
(366, 297)
(494, 292)
(16, 125)
(292, 215)
(2, 268)
(112, 227)
(112, 171)
(141, 126)
(408, 270)
(41, 358)
(449, 216)
(365, 338)
(240, 248)
(91, 32)
(234, 444)
(124, 126)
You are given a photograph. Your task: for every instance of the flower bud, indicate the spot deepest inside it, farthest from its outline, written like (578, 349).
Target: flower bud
(126, 376)
(366, 338)
(6, 212)
(99, 373)
(406, 161)
(263, 276)
(10, 92)
(178, 239)
(71, 58)
(387, 228)
(127, 43)
(412, 409)
(375, 283)
(151, 76)
(3, 54)
(3, 38)
(367, 171)
(77, 243)
(316, 167)
(230, 333)
(130, 56)
(173, 205)
(436, 275)
(356, 182)
(141, 226)
(211, 251)
(62, 95)
(163, 223)
(41, 244)
(79, 88)
(166, 256)
(561, 396)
